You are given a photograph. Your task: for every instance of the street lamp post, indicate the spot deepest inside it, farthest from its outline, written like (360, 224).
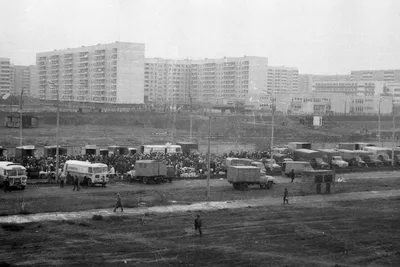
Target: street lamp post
(209, 159)
(20, 117)
(393, 128)
(57, 130)
(379, 121)
(273, 120)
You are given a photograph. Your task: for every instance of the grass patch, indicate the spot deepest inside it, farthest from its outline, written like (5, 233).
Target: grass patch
(84, 224)
(118, 218)
(97, 217)
(12, 227)
(25, 212)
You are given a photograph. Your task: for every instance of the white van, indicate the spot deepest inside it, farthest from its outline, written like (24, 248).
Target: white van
(96, 172)
(16, 174)
(298, 167)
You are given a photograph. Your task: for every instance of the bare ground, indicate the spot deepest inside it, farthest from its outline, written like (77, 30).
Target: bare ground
(356, 233)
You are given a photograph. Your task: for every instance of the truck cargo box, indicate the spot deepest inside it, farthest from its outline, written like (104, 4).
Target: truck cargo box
(149, 168)
(243, 174)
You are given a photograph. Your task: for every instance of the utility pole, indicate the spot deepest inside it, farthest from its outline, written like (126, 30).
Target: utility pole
(273, 122)
(191, 125)
(393, 128)
(379, 121)
(20, 117)
(57, 130)
(209, 158)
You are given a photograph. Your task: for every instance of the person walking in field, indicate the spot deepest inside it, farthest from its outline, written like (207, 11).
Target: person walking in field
(119, 203)
(286, 196)
(292, 175)
(76, 183)
(197, 225)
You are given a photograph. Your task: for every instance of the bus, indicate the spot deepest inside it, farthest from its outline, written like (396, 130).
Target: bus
(172, 149)
(95, 172)
(16, 174)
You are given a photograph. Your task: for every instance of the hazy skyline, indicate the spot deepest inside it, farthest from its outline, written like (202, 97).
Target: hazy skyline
(317, 37)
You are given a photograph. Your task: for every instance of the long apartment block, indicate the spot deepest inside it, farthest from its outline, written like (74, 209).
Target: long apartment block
(203, 81)
(103, 73)
(283, 80)
(6, 76)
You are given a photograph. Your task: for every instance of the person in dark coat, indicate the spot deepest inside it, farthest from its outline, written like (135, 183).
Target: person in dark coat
(119, 203)
(6, 184)
(197, 225)
(292, 175)
(286, 196)
(76, 183)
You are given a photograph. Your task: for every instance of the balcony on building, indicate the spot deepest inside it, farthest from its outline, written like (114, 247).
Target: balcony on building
(99, 70)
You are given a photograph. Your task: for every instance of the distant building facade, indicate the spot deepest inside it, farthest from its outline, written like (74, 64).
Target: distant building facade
(282, 80)
(306, 81)
(322, 103)
(6, 76)
(24, 77)
(203, 81)
(376, 75)
(103, 73)
(350, 88)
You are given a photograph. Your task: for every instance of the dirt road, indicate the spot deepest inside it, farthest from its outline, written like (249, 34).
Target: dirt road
(313, 200)
(346, 233)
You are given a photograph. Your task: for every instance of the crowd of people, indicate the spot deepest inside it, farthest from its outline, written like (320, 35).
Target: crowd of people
(195, 163)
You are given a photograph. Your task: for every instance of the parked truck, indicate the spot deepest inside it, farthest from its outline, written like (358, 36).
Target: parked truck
(382, 153)
(241, 177)
(312, 156)
(352, 157)
(234, 162)
(332, 157)
(151, 170)
(354, 146)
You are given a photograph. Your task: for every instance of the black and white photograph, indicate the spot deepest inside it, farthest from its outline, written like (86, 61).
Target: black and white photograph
(203, 133)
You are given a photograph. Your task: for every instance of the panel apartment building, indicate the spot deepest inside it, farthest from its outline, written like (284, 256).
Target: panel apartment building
(306, 81)
(24, 77)
(6, 76)
(282, 80)
(350, 88)
(204, 81)
(376, 75)
(103, 73)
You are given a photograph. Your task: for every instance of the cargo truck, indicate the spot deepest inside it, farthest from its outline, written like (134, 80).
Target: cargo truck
(382, 153)
(151, 170)
(354, 146)
(352, 157)
(241, 177)
(312, 156)
(332, 157)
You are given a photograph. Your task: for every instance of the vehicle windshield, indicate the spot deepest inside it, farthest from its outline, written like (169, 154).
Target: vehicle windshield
(12, 172)
(99, 169)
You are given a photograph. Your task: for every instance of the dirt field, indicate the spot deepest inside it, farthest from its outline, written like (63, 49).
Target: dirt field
(36, 199)
(357, 233)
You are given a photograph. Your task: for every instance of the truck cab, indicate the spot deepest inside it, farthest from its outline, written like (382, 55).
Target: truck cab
(318, 163)
(357, 162)
(338, 162)
(372, 161)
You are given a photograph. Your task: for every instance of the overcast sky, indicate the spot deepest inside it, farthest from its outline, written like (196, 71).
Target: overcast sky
(321, 36)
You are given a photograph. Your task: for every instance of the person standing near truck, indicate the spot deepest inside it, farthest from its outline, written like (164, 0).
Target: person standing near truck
(6, 185)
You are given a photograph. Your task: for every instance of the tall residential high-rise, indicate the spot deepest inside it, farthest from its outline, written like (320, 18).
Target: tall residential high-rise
(6, 77)
(282, 80)
(22, 79)
(376, 75)
(103, 73)
(205, 81)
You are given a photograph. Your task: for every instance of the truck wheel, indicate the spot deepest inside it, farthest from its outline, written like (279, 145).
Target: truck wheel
(158, 181)
(269, 185)
(170, 180)
(244, 186)
(236, 186)
(263, 186)
(145, 180)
